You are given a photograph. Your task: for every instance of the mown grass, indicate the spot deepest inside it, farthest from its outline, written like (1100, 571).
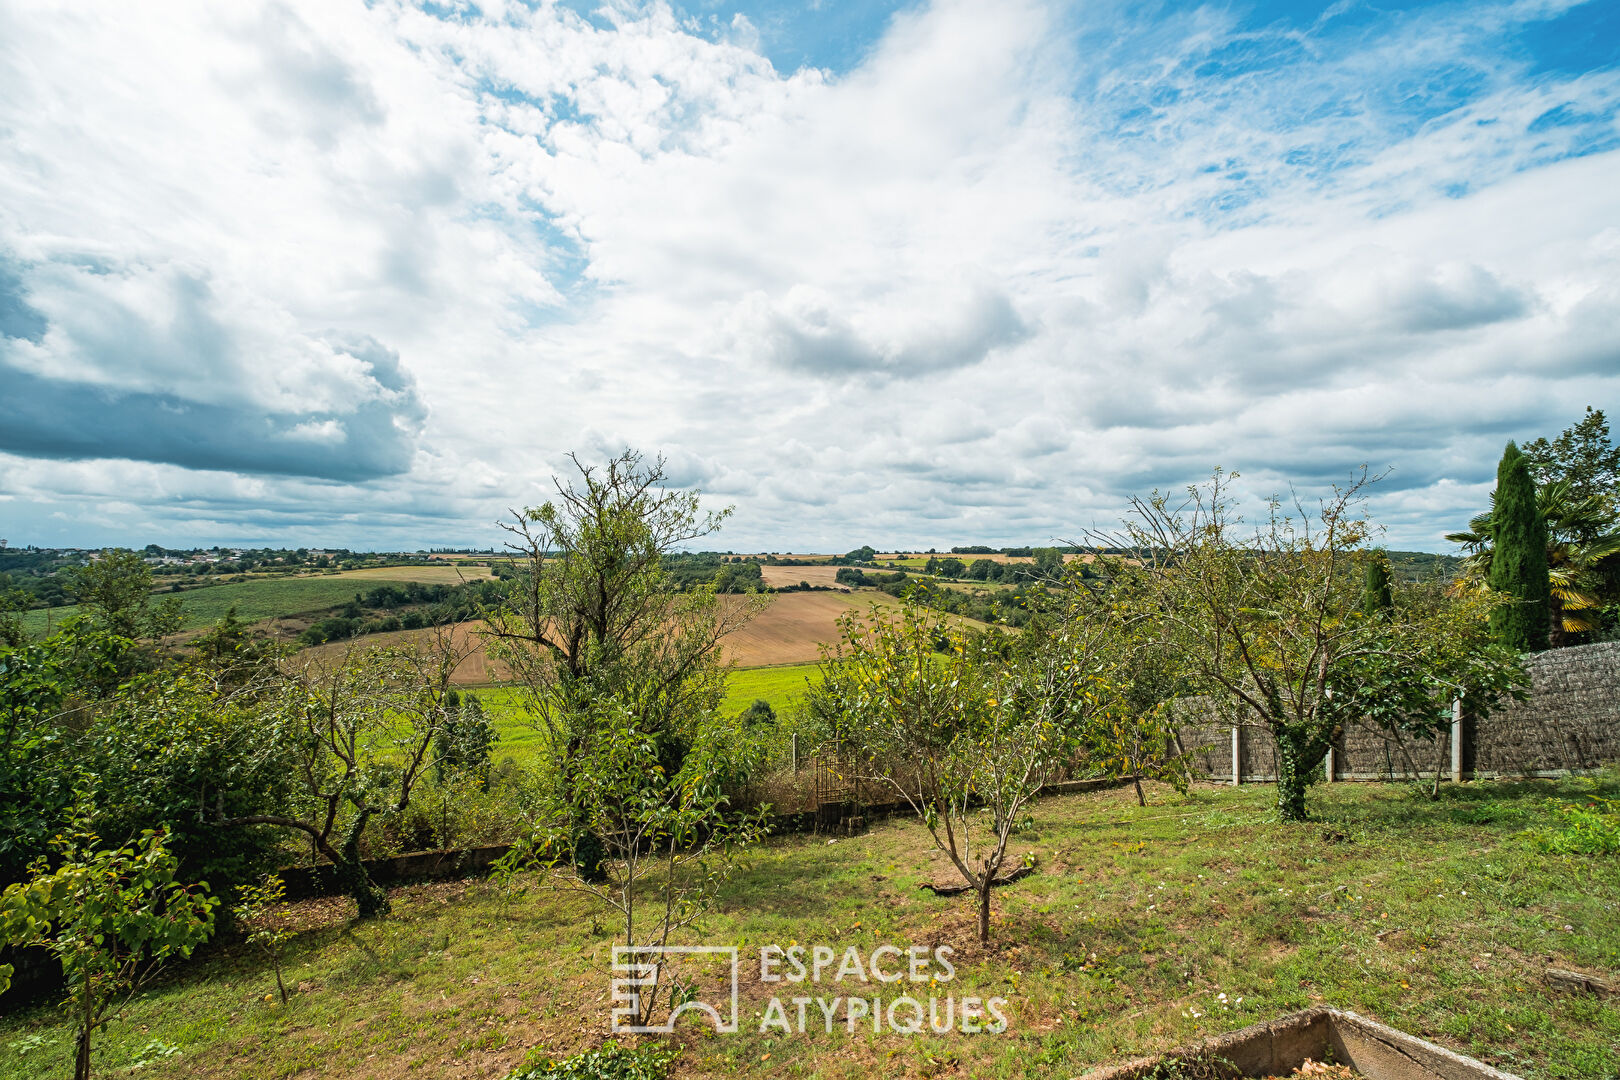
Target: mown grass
(1436, 917)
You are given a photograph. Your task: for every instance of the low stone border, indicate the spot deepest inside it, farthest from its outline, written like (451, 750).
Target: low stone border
(1278, 1047)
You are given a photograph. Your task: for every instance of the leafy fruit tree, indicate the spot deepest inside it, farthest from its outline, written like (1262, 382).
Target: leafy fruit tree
(356, 737)
(593, 610)
(1267, 624)
(1519, 561)
(953, 722)
(111, 916)
(1436, 650)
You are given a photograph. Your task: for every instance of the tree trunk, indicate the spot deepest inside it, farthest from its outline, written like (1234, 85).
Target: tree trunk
(1298, 755)
(1141, 799)
(81, 1057)
(1556, 638)
(279, 984)
(371, 900)
(984, 910)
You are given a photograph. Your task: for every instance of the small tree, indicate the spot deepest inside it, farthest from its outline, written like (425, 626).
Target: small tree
(464, 742)
(954, 730)
(1133, 744)
(1435, 649)
(1519, 562)
(668, 841)
(111, 917)
(257, 907)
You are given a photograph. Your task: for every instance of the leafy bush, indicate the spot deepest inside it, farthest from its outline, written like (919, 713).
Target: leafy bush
(614, 1061)
(1590, 828)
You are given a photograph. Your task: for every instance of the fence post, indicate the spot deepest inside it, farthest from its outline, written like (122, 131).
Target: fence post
(1329, 764)
(1237, 755)
(1456, 741)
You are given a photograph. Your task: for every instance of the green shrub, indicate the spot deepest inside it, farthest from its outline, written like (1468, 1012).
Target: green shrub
(614, 1061)
(1589, 828)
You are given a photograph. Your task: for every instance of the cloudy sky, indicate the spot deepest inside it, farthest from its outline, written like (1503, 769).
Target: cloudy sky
(874, 272)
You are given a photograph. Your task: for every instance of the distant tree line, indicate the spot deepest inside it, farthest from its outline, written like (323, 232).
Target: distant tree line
(403, 606)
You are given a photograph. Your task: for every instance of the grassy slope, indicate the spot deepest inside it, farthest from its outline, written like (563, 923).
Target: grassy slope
(270, 597)
(1435, 917)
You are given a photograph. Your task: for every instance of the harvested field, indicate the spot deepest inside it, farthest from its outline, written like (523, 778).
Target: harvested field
(778, 576)
(789, 631)
(795, 625)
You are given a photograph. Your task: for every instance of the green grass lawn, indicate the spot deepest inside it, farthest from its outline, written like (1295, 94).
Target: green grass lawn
(1144, 928)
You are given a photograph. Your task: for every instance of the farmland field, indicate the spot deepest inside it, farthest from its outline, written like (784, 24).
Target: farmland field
(781, 687)
(791, 630)
(778, 576)
(277, 597)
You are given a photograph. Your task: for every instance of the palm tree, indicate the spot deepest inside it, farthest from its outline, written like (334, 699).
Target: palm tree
(1582, 535)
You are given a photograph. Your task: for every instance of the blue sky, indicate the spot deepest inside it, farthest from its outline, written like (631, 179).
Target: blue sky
(892, 273)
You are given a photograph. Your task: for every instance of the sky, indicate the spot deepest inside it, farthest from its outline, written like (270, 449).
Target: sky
(904, 274)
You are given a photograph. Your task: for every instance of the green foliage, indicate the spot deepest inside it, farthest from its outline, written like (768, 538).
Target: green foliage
(1375, 595)
(952, 721)
(615, 1061)
(110, 916)
(1268, 625)
(174, 750)
(759, 715)
(1590, 827)
(1519, 563)
(257, 908)
(40, 770)
(663, 839)
(1583, 455)
(465, 740)
(116, 590)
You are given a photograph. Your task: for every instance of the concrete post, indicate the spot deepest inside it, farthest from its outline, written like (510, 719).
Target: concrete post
(1328, 764)
(1457, 741)
(1237, 755)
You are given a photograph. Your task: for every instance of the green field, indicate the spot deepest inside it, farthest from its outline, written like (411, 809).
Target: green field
(261, 598)
(780, 686)
(1142, 929)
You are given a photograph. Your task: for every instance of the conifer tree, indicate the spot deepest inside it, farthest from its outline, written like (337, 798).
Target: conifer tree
(1519, 565)
(1375, 595)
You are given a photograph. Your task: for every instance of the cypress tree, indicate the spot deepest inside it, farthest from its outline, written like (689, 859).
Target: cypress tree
(1519, 558)
(1375, 595)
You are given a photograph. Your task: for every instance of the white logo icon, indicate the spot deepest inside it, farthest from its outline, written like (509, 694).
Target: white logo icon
(635, 968)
